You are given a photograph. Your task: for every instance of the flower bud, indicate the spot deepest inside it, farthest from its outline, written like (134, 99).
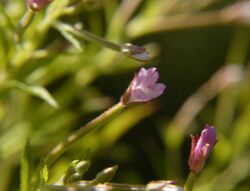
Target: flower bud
(135, 52)
(75, 171)
(143, 87)
(105, 175)
(201, 148)
(37, 5)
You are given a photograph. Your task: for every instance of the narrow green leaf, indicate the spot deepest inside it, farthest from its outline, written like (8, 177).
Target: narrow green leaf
(75, 42)
(37, 91)
(25, 168)
(41, 93)
(72, 40)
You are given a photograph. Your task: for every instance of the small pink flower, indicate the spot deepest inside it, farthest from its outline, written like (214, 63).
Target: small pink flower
(143, 87)
(201, 148)
(37, 5)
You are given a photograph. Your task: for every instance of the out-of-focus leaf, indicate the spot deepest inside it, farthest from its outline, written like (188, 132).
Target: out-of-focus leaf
(13, 140)
(37, 91)
(69, 37)
(2, 50)
(25, 168)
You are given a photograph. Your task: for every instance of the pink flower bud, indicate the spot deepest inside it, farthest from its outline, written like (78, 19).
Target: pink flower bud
(37, 5)
(201, 148)
(143, 87)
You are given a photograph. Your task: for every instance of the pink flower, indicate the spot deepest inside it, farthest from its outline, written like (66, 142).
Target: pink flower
(37, 5)
(201, 148)
(143, 87)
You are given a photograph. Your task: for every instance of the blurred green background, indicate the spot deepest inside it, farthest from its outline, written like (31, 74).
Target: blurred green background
(200, 48)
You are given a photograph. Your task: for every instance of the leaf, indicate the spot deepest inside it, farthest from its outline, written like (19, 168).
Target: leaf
(72, 40)
(68, 36)
(25, 168)
(41, 93)
(37, 91)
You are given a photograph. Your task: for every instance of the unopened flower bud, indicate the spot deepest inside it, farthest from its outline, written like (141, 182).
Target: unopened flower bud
(143, 87)
(82, 166)
(135, 52)
(73, 178)
(37, 5)
(201, 148)
(75, 172)
(105, 175)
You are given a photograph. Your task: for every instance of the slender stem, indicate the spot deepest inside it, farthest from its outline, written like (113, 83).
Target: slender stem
(25, 22)
(84, 130)
(88, 36)
(107, 186)
(190, 182)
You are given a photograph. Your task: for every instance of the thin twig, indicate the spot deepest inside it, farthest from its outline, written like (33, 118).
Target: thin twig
(84, 130)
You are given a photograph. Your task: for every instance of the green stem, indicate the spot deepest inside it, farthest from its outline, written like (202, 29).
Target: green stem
(84, 130)
(190, 182)
(83, 34)
(81, 185)
(24, 23)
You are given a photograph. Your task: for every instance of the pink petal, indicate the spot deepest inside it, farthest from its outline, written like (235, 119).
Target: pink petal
(158, 89)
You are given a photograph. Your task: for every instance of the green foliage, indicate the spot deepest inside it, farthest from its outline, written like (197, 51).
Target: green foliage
(33, 90)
